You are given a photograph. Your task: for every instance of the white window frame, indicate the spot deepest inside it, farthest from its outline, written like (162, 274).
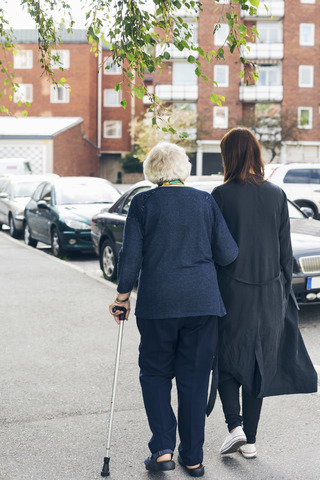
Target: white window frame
(311, 69)
(54, 98)
(224, 68)
(189, 78)
(310, 110)
(268, 69)
(64, 59)
(24, 93)
(308, 43)
(307, 1)
(23, 59)
(114, 70)
(268, 27)
(117, 97)
(223, 2)
(117, 128)
(222, 32)
(226, 115)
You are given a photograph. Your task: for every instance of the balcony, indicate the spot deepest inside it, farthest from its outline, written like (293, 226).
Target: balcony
(263, 51)
(173, 93)
(275, 10)
(257, 93)
(175, 53)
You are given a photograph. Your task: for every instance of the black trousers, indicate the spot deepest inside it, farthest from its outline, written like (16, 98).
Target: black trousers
(251, 407)
(182, 348)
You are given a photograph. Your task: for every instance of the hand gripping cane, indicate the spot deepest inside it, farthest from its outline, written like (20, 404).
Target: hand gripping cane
(105, 469)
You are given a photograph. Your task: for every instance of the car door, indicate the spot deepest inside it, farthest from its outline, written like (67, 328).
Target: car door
(45, 214)
(119, 219)
(4, 200)
(31, 211)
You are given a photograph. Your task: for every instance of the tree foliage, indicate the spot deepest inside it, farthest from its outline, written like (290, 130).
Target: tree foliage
(272, 128)
(131, 30)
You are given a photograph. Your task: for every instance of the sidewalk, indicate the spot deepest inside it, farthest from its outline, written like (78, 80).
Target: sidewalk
(56, 366)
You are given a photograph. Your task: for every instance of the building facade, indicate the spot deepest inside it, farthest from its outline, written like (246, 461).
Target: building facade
(287, 56)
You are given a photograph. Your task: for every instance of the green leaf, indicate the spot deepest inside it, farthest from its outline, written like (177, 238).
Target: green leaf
(117, 87)
(214, 98)
(25, 113)
(139, 91)
(198, 71)
(191, 59)
(255, 3)
(166, 55)
(123, 104)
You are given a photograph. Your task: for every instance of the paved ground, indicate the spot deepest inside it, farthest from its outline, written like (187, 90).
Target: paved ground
(56, 364)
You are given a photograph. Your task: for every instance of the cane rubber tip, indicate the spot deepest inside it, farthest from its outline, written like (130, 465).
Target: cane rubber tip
(105, 469)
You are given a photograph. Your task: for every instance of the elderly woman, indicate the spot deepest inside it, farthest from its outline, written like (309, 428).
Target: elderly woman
(173, 235)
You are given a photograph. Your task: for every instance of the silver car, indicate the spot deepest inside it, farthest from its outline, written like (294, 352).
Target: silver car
(15, 192)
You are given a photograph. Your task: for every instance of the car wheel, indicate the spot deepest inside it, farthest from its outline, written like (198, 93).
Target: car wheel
(1, 226)
(108, 260)
(28, 240)
(302, 203)
(56, 245)
(12, 228)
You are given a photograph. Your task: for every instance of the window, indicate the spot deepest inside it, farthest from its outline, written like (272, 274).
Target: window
(271, 32)
(221, 75)
(183, 74)
(221, 34)
(24, 93)
(59, 94)
(64, 59)
(302, 175)
(269, 75)
(306, 76)
(307, 34)
(226, 2)
(111, 68)
(307, 1)
(46, 193)
(305, 117)
(23, 59)
(112, 129)
(112, 98)
(193, 27)
(220, 117)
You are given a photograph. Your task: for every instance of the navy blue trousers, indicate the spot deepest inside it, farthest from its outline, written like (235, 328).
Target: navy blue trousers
(182, 348)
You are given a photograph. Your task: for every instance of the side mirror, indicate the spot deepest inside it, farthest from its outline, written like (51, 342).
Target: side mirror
(3, 195)
(307, 211)
(42, 205)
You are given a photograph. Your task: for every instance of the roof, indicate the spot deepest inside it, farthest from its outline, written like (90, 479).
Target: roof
(31, 36)
(35, 127)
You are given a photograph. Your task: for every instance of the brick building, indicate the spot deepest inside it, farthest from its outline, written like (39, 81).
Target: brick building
(287, 54)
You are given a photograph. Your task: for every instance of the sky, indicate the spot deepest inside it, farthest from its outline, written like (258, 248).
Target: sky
(19, 18)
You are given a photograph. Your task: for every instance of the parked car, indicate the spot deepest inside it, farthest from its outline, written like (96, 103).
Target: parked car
(15, 192)
(59, 212)
(301, 182)
(107, 235)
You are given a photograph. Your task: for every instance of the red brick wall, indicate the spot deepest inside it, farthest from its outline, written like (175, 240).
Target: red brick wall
(72, 155)
(295, 55)
(82, 78)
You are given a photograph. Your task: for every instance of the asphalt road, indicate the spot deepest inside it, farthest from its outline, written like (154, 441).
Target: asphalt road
(56, 367)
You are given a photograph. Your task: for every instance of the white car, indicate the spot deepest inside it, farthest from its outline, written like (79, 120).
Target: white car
(300, 181)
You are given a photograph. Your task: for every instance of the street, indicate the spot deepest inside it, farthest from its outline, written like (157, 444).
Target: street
(57, 355)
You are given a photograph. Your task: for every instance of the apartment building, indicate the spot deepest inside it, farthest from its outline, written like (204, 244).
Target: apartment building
(287, 55)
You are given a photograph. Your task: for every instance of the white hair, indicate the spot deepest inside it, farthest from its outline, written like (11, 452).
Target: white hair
(165, 162)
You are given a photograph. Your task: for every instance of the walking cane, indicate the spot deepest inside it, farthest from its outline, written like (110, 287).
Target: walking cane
(105, 469)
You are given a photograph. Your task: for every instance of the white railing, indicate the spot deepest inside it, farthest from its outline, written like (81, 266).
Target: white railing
(175, 53)
(263, 51)
(177, 92)
(275, 10)
(257, 93)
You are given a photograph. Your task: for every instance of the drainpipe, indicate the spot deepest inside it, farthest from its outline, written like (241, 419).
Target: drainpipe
(99, 97)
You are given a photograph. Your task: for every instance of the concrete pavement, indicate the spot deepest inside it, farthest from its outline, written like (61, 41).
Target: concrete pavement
(56, 366)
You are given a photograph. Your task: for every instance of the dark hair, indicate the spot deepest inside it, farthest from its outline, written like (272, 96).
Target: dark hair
(241, 156)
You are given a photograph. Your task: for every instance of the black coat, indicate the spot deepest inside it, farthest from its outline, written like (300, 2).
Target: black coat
(254, 335)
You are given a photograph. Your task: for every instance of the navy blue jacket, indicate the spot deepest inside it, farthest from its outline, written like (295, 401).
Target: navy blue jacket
(173, 235)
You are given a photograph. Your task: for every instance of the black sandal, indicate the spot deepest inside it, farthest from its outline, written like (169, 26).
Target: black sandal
(193, 472)
(152, 464)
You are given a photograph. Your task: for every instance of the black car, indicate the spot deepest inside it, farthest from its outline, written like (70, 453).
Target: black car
(107, 234)
(59, 212)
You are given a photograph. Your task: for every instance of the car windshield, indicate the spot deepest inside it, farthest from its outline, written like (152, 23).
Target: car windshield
(85, 192)
(25, 189)
(294, 212)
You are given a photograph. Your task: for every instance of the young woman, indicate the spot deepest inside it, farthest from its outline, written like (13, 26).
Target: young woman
(256, 289)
